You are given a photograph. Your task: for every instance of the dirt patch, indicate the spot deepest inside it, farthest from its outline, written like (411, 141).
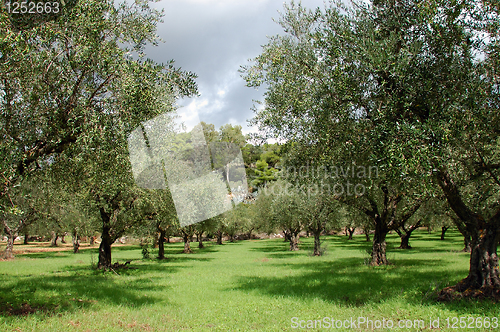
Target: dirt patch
(20, 249)
(24, 309)
(262, 260)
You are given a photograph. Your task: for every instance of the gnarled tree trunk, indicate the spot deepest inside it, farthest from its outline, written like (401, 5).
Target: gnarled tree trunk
(106, 240)
(483, 272)
(379, 245)
(483, 279)
(105, 249)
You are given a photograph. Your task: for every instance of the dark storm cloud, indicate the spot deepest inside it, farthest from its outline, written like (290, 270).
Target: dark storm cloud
(213, 38)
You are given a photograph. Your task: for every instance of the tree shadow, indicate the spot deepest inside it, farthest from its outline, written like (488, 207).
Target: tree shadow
(71, 291)
(176, 258)
(415, 249)
(348, 282)
(47, 254)
(130, 247)
(272, 248)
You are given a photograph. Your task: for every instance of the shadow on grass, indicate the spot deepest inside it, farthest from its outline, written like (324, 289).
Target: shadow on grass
(47, 254)
(349, 282)
(272, 247)
(70, 291)
(74, 287)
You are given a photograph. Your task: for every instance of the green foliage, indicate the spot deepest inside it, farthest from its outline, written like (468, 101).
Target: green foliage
(232, 134)
(263, 174)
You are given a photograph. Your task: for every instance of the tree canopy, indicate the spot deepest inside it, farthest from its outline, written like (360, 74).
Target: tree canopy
(410, 87)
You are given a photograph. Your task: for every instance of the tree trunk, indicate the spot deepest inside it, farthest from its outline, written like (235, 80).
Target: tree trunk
(483, 271)
(483, 279)
(76, 241)
(294, 242)
(9, 249)
(161, 244)
(62, 238)
(405, 241)
(466, 234)
(467, 244)
(105, 249)
(187, 239)
(219, 237)
(443, 231)
(92, 240)
(200, 241)
(317, 244)
(379, 245)
(53, 242)
(249, 234)
(26, 237)
(106, 241)
(351, 232)
(286, 236)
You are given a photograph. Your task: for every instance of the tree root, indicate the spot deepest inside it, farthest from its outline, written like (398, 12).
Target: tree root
(117, 266)
(454, 293)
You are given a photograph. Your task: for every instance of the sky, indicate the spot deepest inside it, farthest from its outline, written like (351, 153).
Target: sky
(213, 38)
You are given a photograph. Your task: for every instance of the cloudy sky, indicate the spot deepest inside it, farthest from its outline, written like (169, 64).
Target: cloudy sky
(213, 38)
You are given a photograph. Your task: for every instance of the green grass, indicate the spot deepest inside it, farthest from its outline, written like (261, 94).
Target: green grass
(248, 285)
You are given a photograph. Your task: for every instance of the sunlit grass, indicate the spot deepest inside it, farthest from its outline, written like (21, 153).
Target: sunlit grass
(248, 285)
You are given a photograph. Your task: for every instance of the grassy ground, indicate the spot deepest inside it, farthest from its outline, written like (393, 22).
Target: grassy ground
(248, 285)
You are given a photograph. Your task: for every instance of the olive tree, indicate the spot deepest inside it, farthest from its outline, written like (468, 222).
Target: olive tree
(61, 79)
(418, 81)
